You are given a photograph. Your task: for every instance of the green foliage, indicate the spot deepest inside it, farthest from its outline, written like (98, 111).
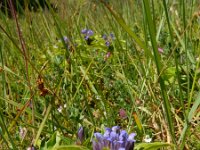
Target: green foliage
(54, 79)
(71, 147)
(152, 146)
(54, 144)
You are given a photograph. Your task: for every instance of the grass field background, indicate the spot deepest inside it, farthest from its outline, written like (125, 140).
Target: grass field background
(139, 69)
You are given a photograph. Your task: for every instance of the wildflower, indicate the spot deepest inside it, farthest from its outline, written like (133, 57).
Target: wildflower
(113, 139)
(31, 148)
(90, 32)
(81, 134)
(84, 31)
(122, 113)
(130, 141)
(147, 139)
(107, 56)
(60, 108)
(67, 42)
(107, 43)
(160, 50)
(104, 37)
(22, 132)
(112, 36)
(65, 105)
(65, 39)
(87, 33)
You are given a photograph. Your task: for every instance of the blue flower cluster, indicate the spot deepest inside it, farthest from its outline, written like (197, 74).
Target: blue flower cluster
(88, 33)
(108, 39)
(113, 139)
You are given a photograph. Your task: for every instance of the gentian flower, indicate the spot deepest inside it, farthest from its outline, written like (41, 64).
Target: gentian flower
(112, 36)
(104, 37)
(65, 39)
(66, 43)
(113, 139)
(108, 39)
(107, 132)
(81, 134)
(84, 31)
(88, 33)
(107, 43)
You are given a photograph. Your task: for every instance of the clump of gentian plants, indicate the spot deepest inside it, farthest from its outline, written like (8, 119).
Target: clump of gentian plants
(112, 139)
(87, 35)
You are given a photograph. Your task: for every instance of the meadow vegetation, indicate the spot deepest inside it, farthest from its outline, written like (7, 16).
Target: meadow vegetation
(101, 63)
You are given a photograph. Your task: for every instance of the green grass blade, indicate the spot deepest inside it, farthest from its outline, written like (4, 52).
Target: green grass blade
(195, 106)
(71, 147)
(152, 146)
(7, 133)
(42, 124)
(158, 66)
(170, 26)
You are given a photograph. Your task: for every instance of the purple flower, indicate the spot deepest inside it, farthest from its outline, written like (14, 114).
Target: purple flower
(84, 31)
(116, 129)
(130, 141)
(112, 36)
(107, 43)
(65, 39)
(113, 139)
(123, 135)
(108, 39)
(104, 37)
(88, 33)
(107, 132)
(98, 136)
(81, 134)
(131, 137)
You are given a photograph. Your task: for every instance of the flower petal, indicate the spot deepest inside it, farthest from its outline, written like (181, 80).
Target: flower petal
(107, 132)
(123, 135)
(116, 129)
(81, 134)
(84, 31)
(90, 32)
(104, 37)
(131, 137)
(98, 136)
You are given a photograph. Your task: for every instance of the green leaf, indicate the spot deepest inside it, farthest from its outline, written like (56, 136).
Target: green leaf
(152, 146)
(43, 124)
(190, 116)
(52, 142)
(169, 74)
(70, 147)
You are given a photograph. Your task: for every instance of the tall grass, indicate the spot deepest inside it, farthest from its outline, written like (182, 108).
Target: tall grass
(50, 87)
